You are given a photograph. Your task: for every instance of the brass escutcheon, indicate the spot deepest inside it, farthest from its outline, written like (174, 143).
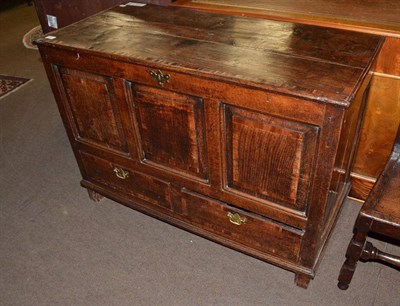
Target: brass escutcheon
(121, 173)
(159, 77)
(236, 218)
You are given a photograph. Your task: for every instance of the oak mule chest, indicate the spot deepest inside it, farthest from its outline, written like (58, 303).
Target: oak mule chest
(237, 129)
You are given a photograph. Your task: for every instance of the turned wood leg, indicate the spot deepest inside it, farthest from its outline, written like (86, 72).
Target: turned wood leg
(302, 280)
(94, 196)
(353, 254)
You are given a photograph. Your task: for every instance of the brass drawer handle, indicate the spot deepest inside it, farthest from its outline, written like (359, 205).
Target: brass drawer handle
(121, 173)
(236, 218)
(159, 77)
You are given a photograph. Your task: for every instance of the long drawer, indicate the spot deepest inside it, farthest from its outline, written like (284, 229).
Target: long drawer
(242, 227)
(128, 181)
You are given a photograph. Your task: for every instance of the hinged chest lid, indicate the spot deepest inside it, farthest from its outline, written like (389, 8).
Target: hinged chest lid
(306, 61)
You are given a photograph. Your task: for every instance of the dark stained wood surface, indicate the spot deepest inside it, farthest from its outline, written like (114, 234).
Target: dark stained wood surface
(235, 139)
(389, 203)
(176, 140)
(148, 188)
(255, 232)
(379, 214)
(265, 153)
(268, 54)
(96, 117)
(375, 16)
(384, 202)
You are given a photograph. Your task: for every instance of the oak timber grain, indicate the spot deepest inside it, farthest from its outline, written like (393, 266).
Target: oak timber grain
(150, 189)
(378, 17)
(173, 219)
(193, 143)
(361, 186)
(381, 119)
(374, 16)
(388, 61)
(379, 127)
(277, 70)
(255, 232)
(266, 154)
(250, 33)
(90, 96)
(176, 138)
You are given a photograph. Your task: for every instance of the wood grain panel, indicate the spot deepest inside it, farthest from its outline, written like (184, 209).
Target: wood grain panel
(373, 16)
(145, 187)
(258, 232)
(270, 122)
(388, 61)
(349, 138)
(381, 120)
(287, 38)
(93, 109)
(267, 157)
(388, 190)
(361, 186)
(171, 130)
(288, 70)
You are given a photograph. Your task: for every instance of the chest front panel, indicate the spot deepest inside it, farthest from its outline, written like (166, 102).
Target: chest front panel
(93, 108)
(268, 157)
(171, 131)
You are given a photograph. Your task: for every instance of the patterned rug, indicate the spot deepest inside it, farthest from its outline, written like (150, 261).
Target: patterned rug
(8, 84)
(31, 36)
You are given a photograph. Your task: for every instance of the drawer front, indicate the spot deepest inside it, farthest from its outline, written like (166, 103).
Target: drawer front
(145, 187)
(245, 228)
